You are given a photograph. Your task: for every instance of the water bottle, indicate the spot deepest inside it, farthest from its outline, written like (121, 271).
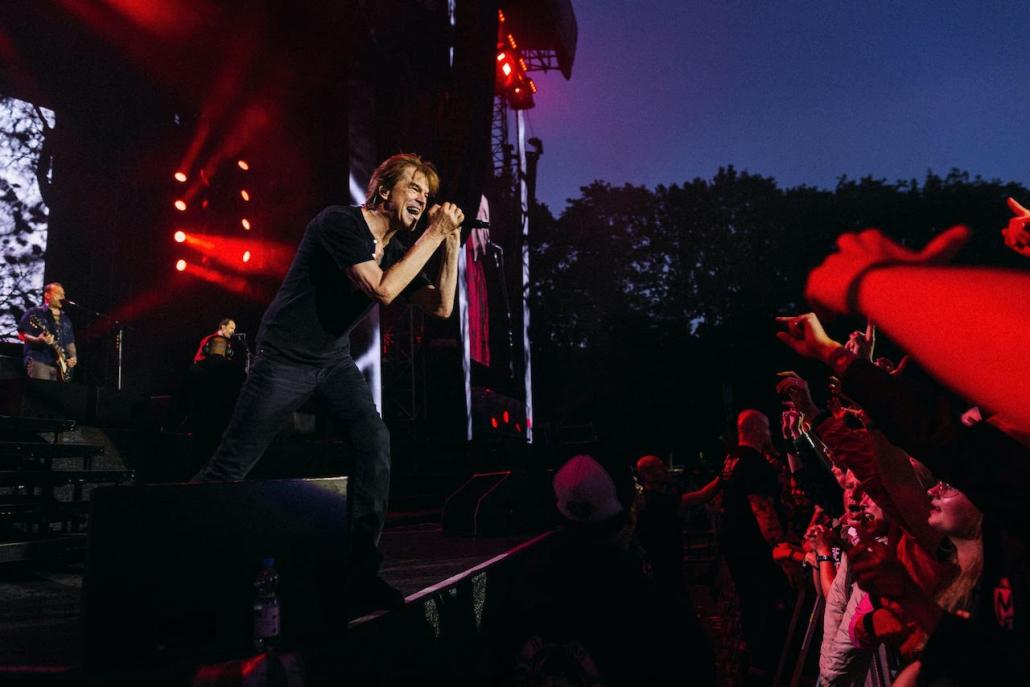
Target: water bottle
(266, 607)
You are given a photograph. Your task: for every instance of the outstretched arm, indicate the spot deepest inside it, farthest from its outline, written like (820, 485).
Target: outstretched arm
(969, 327)
(702, 495)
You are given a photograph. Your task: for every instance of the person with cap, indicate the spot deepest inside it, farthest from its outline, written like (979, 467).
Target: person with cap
(582, 609)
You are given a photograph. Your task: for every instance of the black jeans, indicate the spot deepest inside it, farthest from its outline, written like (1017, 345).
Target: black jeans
(274, 389)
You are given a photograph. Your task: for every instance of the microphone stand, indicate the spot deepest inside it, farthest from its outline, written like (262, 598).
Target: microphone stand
(119, 337)
(242, 336)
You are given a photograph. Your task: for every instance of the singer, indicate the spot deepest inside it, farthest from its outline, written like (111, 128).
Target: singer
(349, 259)
(48, 337)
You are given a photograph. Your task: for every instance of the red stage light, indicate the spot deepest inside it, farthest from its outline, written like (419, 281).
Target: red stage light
(500, 16)
(244, 195)
(506, 68)
(181, 265)
(532, 85)
(506, 417)
(180, 177)
(246, 223)
(180, 205)
(246, 256)
(242, 164)
(501, 56)
(180, 236)
(511, 41)
(493, 422)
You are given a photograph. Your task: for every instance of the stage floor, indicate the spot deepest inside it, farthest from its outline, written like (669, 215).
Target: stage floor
(40, 615)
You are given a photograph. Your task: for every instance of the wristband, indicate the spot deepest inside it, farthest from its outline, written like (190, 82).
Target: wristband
(851, 298)
(823, 559)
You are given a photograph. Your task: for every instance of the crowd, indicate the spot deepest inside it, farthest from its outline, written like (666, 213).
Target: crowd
(896, 507)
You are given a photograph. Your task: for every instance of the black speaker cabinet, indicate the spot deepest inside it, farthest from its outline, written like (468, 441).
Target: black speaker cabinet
(170, 569)
(501, 503)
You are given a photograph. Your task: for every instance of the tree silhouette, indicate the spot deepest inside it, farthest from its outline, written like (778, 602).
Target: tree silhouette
(653, 308)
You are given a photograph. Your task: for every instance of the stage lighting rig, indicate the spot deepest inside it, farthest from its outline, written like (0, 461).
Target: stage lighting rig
(512, 80)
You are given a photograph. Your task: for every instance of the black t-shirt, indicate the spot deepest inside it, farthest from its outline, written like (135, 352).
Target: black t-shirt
(318, 305)
(740, 535)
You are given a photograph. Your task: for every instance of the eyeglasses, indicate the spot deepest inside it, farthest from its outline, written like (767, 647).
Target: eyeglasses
(943, 490)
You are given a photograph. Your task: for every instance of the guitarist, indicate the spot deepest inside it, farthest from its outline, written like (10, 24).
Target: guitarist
(48, 337)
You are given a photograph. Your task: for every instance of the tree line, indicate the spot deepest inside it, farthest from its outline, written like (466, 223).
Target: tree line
(653, 308)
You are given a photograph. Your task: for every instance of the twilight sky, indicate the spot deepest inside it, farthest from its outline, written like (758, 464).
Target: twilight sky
(663, 91)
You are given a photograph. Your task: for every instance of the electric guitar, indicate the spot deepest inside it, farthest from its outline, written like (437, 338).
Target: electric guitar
(64, 373)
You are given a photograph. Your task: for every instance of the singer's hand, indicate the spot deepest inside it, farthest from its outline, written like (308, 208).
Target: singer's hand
(73, 361)
(445, 219)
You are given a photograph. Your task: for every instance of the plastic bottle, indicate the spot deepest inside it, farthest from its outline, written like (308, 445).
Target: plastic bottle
(266, 607)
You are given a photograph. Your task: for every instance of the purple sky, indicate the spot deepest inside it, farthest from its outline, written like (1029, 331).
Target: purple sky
(663, 91)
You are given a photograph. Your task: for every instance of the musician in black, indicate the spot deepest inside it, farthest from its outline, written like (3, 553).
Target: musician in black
(48, 337)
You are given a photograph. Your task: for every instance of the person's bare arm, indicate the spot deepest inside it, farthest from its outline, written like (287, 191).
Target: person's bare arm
(438, 299)
(384, 287)
(969, 327)
(701, 496)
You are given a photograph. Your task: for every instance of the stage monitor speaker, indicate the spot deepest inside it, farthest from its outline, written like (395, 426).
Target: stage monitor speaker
(170, 569)
(501, 503)
(42, 398)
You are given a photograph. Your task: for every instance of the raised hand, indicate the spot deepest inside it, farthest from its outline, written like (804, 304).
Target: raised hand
(862, 343)
(833, 285)
(805, 334)
(796, 390)
(792, 424)
(1017, 233)
(445, 219)
(820, 538)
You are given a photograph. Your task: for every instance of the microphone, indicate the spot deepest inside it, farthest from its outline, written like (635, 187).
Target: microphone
(475, 224)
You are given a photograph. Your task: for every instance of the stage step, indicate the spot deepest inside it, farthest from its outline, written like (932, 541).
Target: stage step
(53, 478)
(26, 449)
(38, 549)
(14, 423)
